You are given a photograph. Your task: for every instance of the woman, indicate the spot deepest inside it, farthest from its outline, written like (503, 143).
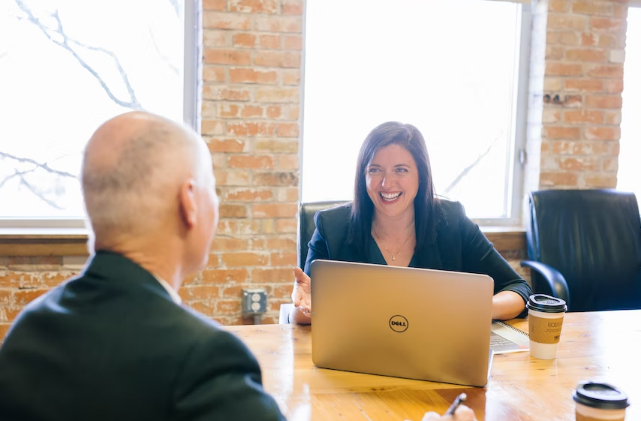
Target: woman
(396, 219)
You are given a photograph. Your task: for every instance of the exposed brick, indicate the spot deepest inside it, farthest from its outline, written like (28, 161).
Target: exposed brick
(227, 145)
(286, 59)
(276, 179)
(212, 127)
(215, 38)
(229, 243)
(221, 93)
(281, 243)
(253, 6)
(567, 21)
(288, 162)
(558, 5)
(239, 227)
(611, 164)
(228, 110)
(601, 180)
(558, 179)
(232, 177)
(287, 129)
(232, 211)
(284, 259)
(199, 293)
(565, 147)
(219, 20)
(273, 111)
(553, 52)
(214, 4)
(563, 69)
(223, 56)
(250, 111)
(244, 40)
(586, 85)
(4, 329)
(228, 307)
(292, 7)
(212, 261)
(604, 101)
(608, 71)
(579, 164)
(251, 128)
(276, 146)
(588, 55)
(559, 132)
(605, 24)
(252, 76)
(290, 77)
(611, 117)
(568, 38)
(580, 116)
(613, 86)
(218, 276)
(214, 74)
(274, 210)
(592, 7)
(278, 24)
(245, 259)
(603, 133)
(286, 226)
(251, 161)
(248, 195)
(270, 42)
(572, 101)
(25, 296)
(273, 276)
(292, 42)
(278, 95)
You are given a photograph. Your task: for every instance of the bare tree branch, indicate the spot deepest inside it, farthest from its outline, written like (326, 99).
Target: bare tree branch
(38, 194)
(174, 4)
(164, 58)
(467, 169)
(15, 174)
(49, 32)
(44, 166)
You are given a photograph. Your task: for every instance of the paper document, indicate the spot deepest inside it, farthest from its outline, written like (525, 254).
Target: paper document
(505, 339)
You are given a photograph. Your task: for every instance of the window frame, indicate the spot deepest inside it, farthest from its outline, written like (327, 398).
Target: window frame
(192, 88)
(515, 188)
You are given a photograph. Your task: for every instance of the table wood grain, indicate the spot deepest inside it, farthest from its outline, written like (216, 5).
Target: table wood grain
(603, 346)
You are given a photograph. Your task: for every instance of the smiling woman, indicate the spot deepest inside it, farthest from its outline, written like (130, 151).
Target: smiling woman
(396, 219)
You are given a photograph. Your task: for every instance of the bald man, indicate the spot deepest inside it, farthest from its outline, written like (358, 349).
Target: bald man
(115, 343)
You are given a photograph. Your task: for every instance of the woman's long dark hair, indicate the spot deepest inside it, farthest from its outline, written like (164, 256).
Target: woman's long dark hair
(426, 206)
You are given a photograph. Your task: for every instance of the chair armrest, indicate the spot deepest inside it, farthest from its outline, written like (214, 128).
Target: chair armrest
(553, 277)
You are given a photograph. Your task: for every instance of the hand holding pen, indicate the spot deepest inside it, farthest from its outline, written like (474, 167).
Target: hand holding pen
(456, 412)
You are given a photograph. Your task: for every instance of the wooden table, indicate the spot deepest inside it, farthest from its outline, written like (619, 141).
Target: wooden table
(603, 346)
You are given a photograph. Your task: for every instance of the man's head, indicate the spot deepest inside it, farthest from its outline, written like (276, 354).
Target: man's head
(148, 181)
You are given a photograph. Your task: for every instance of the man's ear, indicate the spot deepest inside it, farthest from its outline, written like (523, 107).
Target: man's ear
(187, 203)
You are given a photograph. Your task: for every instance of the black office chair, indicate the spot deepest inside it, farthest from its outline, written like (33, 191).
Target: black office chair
(584, 246)
(306, 227)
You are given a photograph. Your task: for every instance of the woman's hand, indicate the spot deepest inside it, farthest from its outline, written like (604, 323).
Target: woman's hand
(302, 298)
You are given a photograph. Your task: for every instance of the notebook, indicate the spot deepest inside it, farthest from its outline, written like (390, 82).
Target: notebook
(506, 339)
(402, 322)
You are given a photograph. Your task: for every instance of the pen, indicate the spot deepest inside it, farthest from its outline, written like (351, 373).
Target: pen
(459, 400)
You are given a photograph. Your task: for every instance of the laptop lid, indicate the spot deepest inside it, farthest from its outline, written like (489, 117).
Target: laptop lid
(402, 322)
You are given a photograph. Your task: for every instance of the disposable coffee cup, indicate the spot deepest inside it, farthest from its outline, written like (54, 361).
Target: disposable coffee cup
(599, 402)
(545, 320)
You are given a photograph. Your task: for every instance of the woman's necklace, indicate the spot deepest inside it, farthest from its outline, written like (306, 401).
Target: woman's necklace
(388, 250)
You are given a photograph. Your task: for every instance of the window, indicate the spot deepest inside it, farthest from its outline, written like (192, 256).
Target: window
(455, 70)
(629, 176)
(66, 67)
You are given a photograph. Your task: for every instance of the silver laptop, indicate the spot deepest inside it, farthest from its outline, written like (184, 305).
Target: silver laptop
(402, 322)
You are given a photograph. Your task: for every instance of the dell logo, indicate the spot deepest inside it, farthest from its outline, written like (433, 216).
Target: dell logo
(398, 324)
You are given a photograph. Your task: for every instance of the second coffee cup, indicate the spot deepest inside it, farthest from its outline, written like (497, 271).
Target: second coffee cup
(545, 320)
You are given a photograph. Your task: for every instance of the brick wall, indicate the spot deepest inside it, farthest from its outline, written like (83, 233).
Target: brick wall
(582, 84)
(250, 119)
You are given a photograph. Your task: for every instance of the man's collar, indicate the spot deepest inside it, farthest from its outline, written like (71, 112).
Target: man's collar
(172, 292)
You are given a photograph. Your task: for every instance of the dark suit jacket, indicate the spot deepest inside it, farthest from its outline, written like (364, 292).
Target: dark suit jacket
(459, 246)
(112, 345)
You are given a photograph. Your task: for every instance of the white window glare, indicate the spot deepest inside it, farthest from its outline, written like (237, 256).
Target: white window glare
(454, 69)
(66, 66)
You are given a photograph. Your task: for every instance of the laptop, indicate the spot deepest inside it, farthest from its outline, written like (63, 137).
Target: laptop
(402, 322)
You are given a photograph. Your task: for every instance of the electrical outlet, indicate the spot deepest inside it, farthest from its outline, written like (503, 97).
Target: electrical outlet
(254, 301)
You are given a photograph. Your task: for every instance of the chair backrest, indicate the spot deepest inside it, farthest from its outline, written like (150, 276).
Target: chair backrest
(593, 237)
(306, 225)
